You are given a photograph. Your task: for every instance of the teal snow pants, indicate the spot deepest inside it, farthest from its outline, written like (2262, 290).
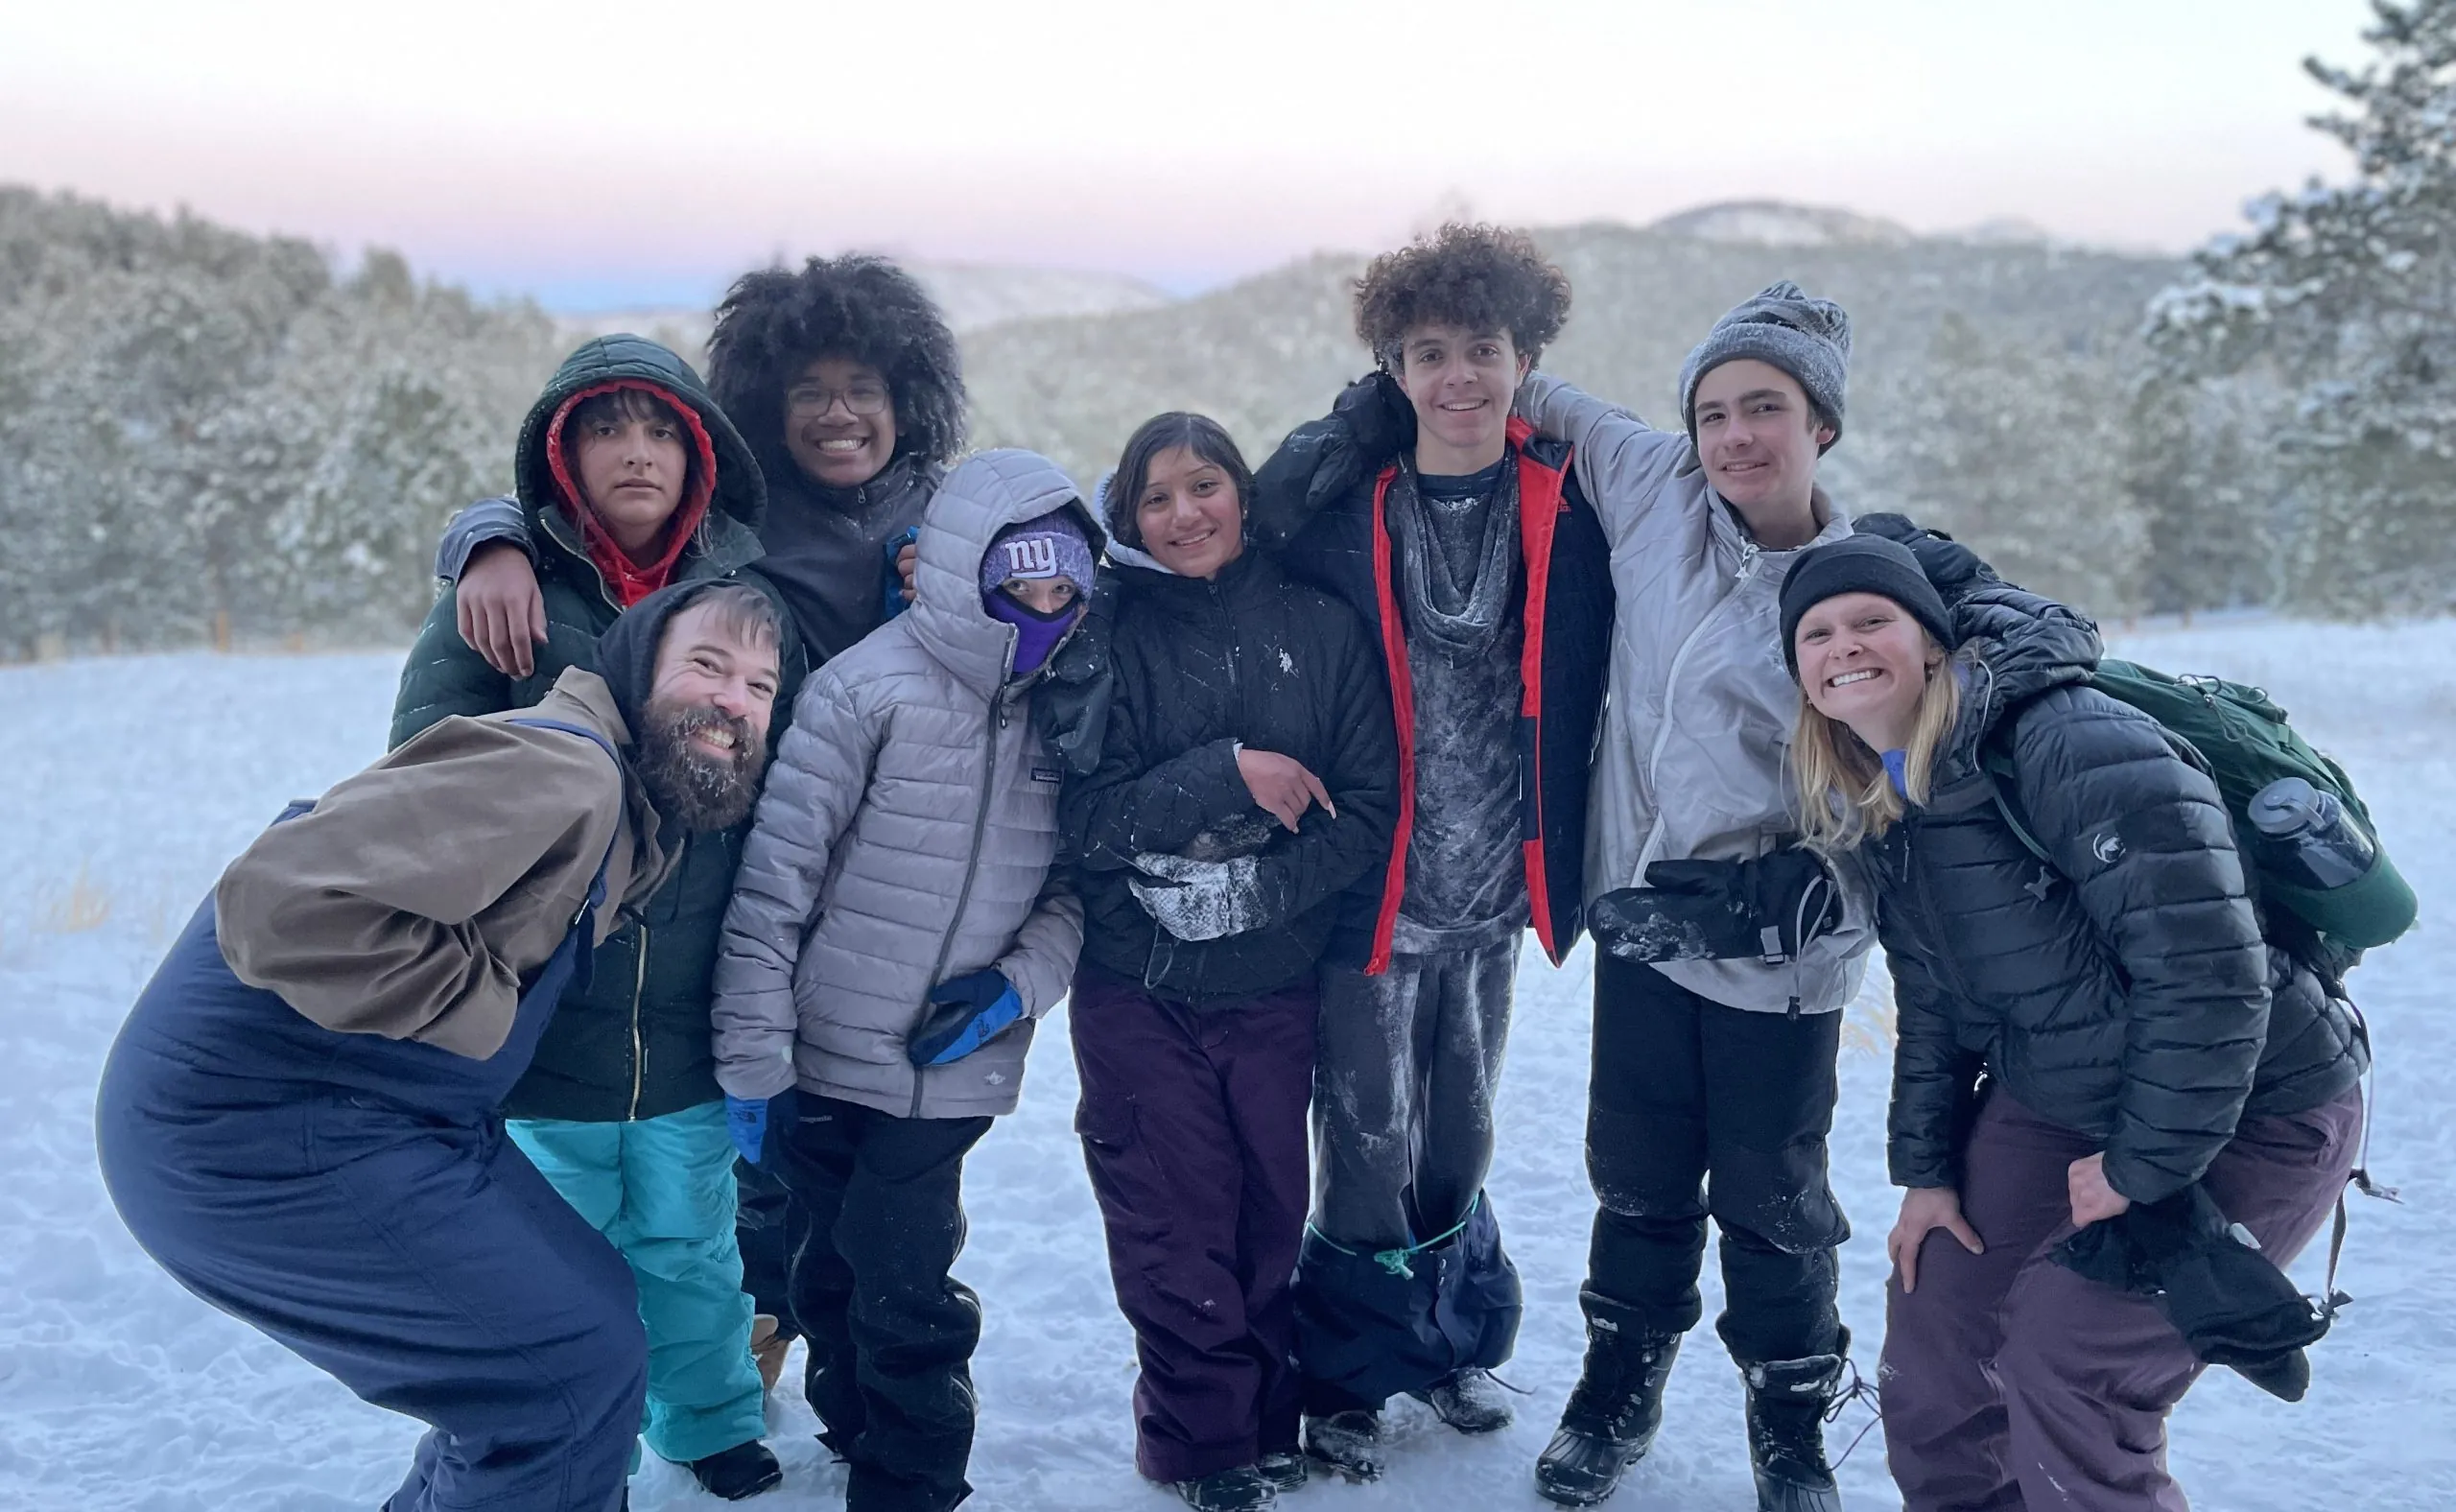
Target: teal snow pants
(662, 1191)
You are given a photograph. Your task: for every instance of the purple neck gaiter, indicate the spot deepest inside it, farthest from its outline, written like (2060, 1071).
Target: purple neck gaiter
(1036, 634)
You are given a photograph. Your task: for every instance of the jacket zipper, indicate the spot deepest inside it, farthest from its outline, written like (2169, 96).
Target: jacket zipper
(971, 865)
(1748, 555)
(639, 1050)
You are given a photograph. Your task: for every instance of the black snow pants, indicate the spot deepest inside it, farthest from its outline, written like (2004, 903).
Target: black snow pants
(1696, 1108)
(1402, 1279)
(875, 1221)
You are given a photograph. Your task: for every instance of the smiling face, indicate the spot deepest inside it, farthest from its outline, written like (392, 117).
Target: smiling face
(1189, 515)
(1758, 437)
(631, 464)
(710, 699)
(839, 422)
(1461, 383)
(1864, 662)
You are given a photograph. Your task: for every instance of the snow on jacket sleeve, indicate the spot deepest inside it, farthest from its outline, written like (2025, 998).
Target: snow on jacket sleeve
(1934, 1081)
(1042, 961)
(1125, 807)
(444, 675)
(498, 519)
(2147, 844)
(1326, 854)
(822, 768)
(1622, 464)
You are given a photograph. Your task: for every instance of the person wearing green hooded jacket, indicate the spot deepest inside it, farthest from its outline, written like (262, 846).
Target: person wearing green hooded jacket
(631, 478)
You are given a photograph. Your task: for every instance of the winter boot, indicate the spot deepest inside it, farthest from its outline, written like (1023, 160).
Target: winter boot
(1240, 1490)
(1348, 1443)
(1612, 1416)
(744, 1469)
(1283, 1468)
(1469, 1400)
(1787, 1399)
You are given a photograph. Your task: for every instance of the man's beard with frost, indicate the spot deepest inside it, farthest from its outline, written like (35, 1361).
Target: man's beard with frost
(689, 785)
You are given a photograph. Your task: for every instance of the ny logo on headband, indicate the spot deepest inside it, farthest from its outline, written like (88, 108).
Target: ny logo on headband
(1032, 556)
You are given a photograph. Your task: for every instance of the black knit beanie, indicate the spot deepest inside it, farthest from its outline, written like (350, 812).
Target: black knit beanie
(1859, 565)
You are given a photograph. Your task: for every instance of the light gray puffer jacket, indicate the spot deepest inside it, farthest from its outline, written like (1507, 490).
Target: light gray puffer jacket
(1694, 755)
(905, 838)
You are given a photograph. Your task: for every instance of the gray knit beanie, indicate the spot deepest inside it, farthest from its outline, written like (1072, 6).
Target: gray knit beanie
(1808, 339)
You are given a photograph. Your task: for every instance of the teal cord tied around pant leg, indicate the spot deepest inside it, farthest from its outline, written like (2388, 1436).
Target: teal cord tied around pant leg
(1395, 1260)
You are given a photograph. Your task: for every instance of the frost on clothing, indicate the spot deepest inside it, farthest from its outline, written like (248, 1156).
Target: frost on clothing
(1164, 827)
(905, 838)
(1461, 597)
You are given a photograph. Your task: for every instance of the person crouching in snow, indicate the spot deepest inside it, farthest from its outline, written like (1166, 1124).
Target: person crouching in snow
(894, 934)
(1247, 777)
(630, 475)
(1466, 545)
(2076, 1043)
(299, 1120)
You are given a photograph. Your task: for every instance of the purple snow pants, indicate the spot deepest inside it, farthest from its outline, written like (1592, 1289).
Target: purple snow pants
(1193, 1129)
(2012, 1384)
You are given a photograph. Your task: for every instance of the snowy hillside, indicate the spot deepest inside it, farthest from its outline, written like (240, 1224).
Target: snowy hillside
(132, 780)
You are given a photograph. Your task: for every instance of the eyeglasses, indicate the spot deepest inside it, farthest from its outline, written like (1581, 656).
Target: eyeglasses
(809, 401)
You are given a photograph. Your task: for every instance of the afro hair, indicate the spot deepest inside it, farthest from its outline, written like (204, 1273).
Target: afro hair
(775, 322)
(1479, 277)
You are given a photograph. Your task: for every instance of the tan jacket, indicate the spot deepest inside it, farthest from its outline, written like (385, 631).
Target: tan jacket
(416, 896)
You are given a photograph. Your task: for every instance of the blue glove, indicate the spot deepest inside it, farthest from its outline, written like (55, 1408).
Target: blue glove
(746, 1120)
(968, 1012)
(895, 602)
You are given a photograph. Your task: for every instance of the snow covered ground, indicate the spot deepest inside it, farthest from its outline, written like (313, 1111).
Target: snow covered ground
(128, 782)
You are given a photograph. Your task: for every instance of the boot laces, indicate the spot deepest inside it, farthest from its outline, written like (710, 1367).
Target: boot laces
(1860, 1389)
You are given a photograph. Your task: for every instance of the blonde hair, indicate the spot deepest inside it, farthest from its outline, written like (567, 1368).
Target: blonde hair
(1845, 796)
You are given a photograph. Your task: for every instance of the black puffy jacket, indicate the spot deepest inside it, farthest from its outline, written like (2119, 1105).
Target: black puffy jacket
(1200, 666)
(2126, 991)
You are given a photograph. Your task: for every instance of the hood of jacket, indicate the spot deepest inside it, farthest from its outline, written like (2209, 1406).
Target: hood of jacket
(983, 495)
(2017, 646)
(740, 495)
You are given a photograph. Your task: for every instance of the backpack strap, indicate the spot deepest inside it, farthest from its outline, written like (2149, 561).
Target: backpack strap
(2003, 778)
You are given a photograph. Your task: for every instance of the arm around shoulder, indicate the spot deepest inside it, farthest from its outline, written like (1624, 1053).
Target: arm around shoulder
(497, 519)
(1625, 466)
(443, 677)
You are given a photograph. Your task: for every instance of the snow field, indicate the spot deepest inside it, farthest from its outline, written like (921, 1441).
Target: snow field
(133, 780)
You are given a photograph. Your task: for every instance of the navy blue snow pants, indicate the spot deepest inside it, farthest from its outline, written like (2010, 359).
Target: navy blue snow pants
(356, 1199)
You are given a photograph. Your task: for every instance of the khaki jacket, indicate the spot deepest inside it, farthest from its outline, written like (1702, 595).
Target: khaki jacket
(416, 896)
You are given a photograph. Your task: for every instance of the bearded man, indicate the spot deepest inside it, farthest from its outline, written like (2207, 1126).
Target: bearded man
(301, 1121)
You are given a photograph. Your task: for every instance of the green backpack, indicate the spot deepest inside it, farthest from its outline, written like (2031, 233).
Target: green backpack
(2241, 737)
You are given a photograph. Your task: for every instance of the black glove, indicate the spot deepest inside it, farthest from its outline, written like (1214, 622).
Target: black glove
(1762, 910)
(1953, 570)
(1379, 420)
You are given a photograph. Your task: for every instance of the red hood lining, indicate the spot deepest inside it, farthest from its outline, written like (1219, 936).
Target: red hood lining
(632, 582)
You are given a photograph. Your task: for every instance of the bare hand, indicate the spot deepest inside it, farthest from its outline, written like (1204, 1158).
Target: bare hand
(1281, 785)
(1924, 1210)
(502, 614)
(907, 561)
(2092, 1199)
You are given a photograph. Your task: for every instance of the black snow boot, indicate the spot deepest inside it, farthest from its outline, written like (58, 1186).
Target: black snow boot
(744, 1469)
(1240, 1490)
(1283, 1468)
(1787, 1402)
(1612, 1417)
(1348, 1443)
(1469, 1400)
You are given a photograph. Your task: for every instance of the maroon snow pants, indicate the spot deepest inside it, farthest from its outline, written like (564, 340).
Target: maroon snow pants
(1193, 1129)
(2012, 1384)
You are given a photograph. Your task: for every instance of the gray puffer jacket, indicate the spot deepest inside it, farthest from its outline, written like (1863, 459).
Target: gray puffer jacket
(905, 838)
(1693, 761)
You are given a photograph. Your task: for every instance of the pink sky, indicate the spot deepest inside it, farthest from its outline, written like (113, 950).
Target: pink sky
(619, 153)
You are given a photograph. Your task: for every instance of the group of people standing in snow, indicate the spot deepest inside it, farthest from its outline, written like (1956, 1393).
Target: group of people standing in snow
(770, 771)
